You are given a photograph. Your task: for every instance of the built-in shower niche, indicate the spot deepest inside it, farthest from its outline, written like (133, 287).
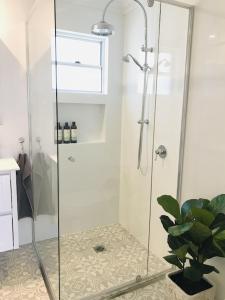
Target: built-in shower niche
(90, 120)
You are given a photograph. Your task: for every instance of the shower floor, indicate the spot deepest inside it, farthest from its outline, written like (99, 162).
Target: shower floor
(85, 272)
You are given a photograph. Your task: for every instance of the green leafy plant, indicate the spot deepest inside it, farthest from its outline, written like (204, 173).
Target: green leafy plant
(196, 233)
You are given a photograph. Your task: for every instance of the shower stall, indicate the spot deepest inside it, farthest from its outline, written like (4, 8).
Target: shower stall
(119, 69)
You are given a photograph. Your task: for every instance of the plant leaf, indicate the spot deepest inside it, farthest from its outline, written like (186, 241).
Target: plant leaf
(170, 205)
(199, 233)
(166, 222)
(202, 215)
(196, 271)
(193, 274)
(204, 269)
(193, 249)
(218, 204)
(181, 252)
(180, 229)
(189, 204)
(209, 250)
(220, 248)
(173, 260)
(174, 242)
(219, 221)
(220, 236)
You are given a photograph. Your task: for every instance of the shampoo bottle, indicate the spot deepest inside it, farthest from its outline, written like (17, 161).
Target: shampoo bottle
(74, 133)
(58, 134)
(66, 133)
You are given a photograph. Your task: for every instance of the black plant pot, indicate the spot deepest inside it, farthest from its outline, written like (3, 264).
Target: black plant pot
(184, 289)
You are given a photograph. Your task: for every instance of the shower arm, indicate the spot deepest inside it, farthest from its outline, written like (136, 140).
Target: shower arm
(145, 49)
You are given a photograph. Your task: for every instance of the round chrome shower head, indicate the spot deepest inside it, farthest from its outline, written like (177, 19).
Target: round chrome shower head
(102, 28)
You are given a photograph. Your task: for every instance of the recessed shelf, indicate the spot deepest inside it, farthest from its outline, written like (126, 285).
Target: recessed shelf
(82, 143)
(90, 120)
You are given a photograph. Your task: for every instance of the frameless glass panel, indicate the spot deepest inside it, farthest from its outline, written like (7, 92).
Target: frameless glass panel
(42, 109)
(77, 78)
(74, 49)
(104, 199)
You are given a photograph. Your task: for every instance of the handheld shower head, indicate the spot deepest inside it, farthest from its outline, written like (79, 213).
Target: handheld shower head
(127, 57)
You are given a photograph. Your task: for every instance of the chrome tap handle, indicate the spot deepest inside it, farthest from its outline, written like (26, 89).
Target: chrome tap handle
(71, 159)
(161, 151)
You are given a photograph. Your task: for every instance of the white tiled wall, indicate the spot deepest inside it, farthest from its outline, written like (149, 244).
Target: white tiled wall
(13, 88)
(204, 163)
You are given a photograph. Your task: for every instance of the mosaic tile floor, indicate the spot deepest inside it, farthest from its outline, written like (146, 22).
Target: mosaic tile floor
(20, 278)
(85, 272)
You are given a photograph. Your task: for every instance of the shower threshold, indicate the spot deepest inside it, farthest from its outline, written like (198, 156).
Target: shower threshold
(128, 287)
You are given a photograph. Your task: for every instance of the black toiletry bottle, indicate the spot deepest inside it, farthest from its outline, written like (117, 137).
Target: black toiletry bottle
(66, 133)
(74, 133)
(58, 133)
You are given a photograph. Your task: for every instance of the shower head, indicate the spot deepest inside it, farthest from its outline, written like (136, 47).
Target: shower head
(127, 57)
(102, 28)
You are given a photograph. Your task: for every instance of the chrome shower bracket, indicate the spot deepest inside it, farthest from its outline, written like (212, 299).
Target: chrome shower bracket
(142, 122)
(146, 49)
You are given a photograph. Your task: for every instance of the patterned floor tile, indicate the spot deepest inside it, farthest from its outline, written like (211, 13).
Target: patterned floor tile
(83, 272)
(20, 277)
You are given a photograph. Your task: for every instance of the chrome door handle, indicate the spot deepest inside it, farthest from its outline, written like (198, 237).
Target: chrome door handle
(161, 152)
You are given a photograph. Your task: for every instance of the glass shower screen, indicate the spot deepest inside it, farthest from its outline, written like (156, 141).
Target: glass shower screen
(43, 146)
(110, 236)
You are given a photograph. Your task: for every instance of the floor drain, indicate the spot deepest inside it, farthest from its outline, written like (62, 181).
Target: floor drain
(99, 248)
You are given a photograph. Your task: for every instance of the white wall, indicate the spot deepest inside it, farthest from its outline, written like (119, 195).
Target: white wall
(134, 209)
(89, 188)
(13, 88)
(204, 162)
(13, 108)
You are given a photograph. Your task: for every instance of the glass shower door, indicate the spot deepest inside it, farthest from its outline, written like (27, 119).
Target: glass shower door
(104, 199)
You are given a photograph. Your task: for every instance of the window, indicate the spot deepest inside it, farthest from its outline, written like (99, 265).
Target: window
(81, 62)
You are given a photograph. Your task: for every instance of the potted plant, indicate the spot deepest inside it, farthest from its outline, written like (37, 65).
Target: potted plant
(196, 233)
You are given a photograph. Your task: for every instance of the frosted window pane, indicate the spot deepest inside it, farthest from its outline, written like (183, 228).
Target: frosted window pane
(79, 79)
(73, 50)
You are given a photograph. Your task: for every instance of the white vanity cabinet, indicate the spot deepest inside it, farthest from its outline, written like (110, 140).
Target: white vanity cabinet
(9, 237)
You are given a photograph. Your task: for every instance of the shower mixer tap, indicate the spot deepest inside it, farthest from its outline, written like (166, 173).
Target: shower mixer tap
(161, 152)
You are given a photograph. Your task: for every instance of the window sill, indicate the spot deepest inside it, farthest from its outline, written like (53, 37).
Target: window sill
(81, 98)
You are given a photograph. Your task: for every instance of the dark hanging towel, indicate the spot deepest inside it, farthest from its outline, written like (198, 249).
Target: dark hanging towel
(24, 188)
(42, 186)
